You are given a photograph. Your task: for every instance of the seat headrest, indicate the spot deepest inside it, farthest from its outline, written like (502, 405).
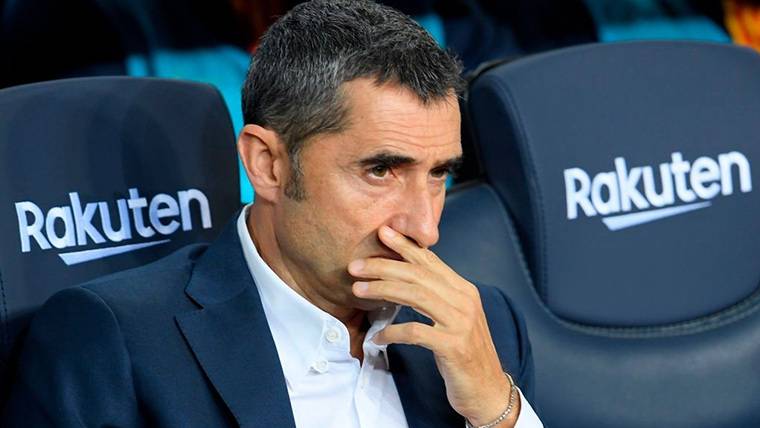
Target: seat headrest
(631, 170)
(103, 174)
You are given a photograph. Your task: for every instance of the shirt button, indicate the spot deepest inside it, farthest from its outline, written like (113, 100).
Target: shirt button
(332, 335)
(320, 366)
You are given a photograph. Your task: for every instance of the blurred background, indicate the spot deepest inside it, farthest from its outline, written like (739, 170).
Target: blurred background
(211, 40)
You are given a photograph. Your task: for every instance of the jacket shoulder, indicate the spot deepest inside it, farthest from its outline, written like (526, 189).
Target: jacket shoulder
(74, 366)
(146, 283)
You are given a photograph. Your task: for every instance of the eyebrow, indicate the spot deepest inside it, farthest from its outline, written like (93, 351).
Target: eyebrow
(388, 159)
(452, 165)
(393, 160)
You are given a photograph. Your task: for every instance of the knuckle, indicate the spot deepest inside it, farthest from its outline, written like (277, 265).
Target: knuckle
(471, 301)
(473, 292)
(415, 332)
(429, 256)
(468, 305)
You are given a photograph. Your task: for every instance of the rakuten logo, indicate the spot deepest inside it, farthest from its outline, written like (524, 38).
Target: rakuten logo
(72, 226)
(618, 191)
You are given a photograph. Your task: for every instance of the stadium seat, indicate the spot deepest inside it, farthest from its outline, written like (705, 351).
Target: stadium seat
(620, 211)
(103, 174)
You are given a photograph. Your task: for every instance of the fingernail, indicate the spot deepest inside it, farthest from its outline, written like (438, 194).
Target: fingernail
(356, 266)
(387, 231)
(360, 287)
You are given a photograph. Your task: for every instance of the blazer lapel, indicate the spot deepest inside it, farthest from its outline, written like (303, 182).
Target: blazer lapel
(230, 337)
(419, 385)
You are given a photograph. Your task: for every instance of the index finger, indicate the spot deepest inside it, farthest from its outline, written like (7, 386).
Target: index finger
(405, 247)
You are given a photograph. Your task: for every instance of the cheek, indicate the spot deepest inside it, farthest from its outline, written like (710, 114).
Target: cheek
(354, 212)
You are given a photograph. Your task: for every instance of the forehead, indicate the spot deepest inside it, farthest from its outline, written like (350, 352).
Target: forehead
(391, 118)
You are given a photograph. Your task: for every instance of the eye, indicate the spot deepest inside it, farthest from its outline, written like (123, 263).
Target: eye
(379, 171)
(440, 173)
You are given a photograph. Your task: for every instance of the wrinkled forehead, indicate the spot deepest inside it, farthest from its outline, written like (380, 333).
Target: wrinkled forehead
(392, 118)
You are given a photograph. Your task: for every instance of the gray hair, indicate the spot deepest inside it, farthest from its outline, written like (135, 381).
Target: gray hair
(294, 81)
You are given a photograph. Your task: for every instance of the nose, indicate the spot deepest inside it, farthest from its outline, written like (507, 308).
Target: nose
(418, 216)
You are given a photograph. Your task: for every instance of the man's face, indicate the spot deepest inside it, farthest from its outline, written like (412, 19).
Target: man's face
(388, 167)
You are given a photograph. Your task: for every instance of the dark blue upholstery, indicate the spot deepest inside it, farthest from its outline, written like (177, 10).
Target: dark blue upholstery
(640, 315)
(113, 148)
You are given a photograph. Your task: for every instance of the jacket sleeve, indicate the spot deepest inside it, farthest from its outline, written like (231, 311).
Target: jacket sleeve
(74, 369)
(510, 336)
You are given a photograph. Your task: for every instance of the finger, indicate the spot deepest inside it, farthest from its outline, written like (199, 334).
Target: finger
(410, 333)
(413, 253)
(419, 298)
(394, 270)
(407, 248)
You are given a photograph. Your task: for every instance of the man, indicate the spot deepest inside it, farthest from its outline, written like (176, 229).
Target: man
(321, 304)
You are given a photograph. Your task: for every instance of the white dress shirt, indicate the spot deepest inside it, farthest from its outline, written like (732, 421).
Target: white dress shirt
(326, 385)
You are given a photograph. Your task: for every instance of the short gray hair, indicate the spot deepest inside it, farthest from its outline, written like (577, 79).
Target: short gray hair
(294, 81)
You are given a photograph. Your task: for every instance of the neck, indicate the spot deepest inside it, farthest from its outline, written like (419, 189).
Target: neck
(262, 234)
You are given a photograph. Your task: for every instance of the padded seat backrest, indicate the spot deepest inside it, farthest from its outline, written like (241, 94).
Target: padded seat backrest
(103, 174)
(632, 172)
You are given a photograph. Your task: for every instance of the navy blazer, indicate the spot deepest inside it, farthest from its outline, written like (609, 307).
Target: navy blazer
(183, 342)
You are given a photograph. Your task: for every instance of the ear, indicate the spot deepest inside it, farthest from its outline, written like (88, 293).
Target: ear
(265, 160)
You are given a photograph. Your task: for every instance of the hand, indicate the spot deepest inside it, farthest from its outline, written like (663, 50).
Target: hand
(459, 338)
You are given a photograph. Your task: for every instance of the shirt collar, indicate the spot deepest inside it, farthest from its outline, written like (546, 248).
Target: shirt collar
(298, 326)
